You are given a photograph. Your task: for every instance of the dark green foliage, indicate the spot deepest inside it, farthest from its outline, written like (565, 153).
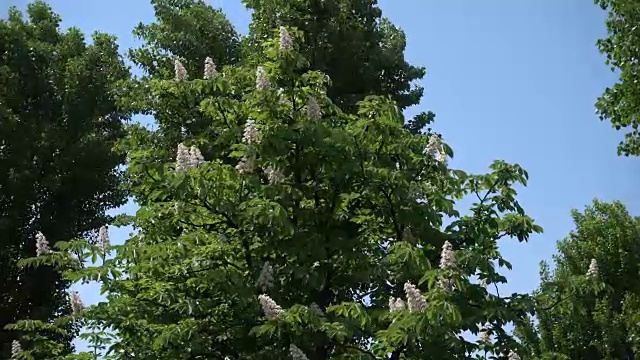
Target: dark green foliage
(361, 51)
(186, 29)
(620, 104)
(58, 123)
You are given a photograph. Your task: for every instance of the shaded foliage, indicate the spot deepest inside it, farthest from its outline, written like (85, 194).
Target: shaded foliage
(58, 124)
(350, 41)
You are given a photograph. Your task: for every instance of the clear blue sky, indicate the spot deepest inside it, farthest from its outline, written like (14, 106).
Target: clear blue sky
(512, 80)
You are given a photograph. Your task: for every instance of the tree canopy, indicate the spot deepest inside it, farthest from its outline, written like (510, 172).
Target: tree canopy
(589, 304)
(620, 103)
(361, 51)
(58, 124)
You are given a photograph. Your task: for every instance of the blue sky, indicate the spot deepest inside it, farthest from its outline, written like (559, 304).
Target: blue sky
(512, 80)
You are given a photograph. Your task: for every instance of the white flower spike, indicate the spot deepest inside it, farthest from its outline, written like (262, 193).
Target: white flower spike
(447, 256)
(593, 270)
(16, 349)
(210, 72)
(42, 245)
(285, 39)
(415, 300)
(265, 279)
(103, 239)
(76, 302)
(271, 310)
(262, 82)
(250, 135)
(180, 71)
(296, 353)
(396, 304)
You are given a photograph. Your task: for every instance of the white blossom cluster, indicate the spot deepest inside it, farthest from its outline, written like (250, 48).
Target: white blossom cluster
(415, 301)
(265, 279)
(446, 284)
(435, 148)
(183, 159)
(180, 71)
(285, 39)
(42, 245)
(250, 134)
(593, 270)
(313, 109)
(485, 337)
(271, 310)
(246, 165)
(16, 349)
(103, 239)
(274, 175)
(316, 309)
(188, 157)
(483, 283)
(296, 353)
(396, 304)
(209, 69)
(513, 356)
(195, 156)
(76, 302)
(262, 81)
(447, 256)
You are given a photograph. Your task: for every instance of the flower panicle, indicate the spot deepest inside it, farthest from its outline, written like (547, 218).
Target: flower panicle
(76, 302)
(103, 239)
(436, 149)
(180, 71)
(195, 157)
(593, 270)
(262, 81)
(183, 159)
(274, 175)
(513, 356)
(265, 279)
(415, 301)
(447, 256)
(485, 336)
(396, 304)
(42, 245)
(210, 71)
(270, 308)
(16, 349)
(188, 157)
(286, 43)
(296, 353)
(246, 165)
(250, 134)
